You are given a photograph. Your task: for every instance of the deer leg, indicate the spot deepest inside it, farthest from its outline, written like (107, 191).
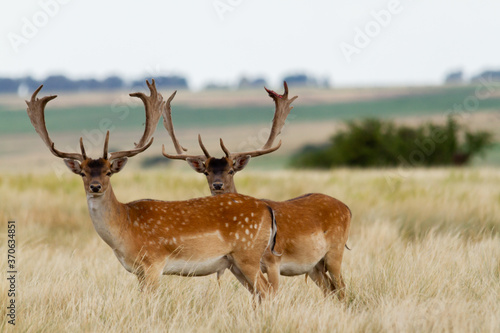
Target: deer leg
(322, 280)
(333, 261)
(239, 275)
(272, 268)
(250, 269)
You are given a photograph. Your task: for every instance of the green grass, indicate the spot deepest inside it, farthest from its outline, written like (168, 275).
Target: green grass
(440, 100)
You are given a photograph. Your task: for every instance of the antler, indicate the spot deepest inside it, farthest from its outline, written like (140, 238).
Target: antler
(169, 126)
(152, 106)
(253, 153)
(283, 108)
(36, 113)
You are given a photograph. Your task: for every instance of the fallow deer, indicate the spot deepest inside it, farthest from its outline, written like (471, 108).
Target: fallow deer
(313, 228)
(149, 237)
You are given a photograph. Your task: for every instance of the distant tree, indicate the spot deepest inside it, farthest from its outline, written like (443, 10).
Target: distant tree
(216, 86)
(454, 78)
(59, 83)
(8, 85)
(171, 82)
(88, 84)
(30, 83)
(112, 83)
(488, 75)
(377, 143)
(246, 83)
(300, 80)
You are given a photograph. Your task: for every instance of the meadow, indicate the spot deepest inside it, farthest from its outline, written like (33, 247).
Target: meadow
(425, 257)
(74, 112)
(425, 242)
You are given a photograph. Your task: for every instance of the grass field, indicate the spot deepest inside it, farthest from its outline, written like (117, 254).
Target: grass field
(317, 115)
(421, 102)
(425, 257)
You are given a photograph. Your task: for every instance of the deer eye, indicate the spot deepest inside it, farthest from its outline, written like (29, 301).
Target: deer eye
(108, 174)
(231, 172)
(82, 174)
(205, 173)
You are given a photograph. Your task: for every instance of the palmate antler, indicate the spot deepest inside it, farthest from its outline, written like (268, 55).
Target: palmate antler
(282, 110)
(36, 113)
(152, 106)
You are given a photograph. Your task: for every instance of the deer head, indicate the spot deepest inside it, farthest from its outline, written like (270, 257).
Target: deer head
(220, 171)
(96, 172)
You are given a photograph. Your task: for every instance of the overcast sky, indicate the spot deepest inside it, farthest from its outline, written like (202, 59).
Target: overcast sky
(352, 43)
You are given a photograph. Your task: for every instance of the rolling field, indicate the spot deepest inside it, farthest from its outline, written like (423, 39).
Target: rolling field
(125, 113)
(242, 118)
(425, 257)
(425, 242)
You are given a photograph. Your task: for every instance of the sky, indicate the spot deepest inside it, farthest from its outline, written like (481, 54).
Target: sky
(350, 43)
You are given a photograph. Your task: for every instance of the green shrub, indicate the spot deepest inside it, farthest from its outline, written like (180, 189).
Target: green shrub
(377, 143)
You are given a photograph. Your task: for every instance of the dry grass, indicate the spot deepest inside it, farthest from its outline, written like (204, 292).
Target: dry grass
(425, 257)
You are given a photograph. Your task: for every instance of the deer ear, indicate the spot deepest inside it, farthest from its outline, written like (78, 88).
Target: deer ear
(241, 162)
(73, 165)
(118, 164)
(197, 164)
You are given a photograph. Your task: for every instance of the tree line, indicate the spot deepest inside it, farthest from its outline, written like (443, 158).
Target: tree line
(60, 83)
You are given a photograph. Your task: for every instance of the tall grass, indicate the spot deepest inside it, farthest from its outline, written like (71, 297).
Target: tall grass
(425, 257)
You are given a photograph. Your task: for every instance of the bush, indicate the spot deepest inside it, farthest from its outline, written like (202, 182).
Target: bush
(377, 143)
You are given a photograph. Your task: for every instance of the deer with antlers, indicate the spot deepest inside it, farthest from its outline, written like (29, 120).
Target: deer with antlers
(149, 237)
(313, 228)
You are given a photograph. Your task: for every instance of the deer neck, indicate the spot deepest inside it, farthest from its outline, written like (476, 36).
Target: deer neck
(232, 187)
(108, 216)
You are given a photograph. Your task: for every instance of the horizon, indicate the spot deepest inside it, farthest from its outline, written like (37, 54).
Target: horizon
(370, 43)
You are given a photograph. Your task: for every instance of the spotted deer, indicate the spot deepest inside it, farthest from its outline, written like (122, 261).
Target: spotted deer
(150, 237)
(313, 228)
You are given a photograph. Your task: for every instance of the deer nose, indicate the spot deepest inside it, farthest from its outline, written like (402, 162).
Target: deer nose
(218, 186)
(95, 187)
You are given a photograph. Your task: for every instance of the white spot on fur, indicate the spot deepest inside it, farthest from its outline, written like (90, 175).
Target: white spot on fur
(247, 231)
